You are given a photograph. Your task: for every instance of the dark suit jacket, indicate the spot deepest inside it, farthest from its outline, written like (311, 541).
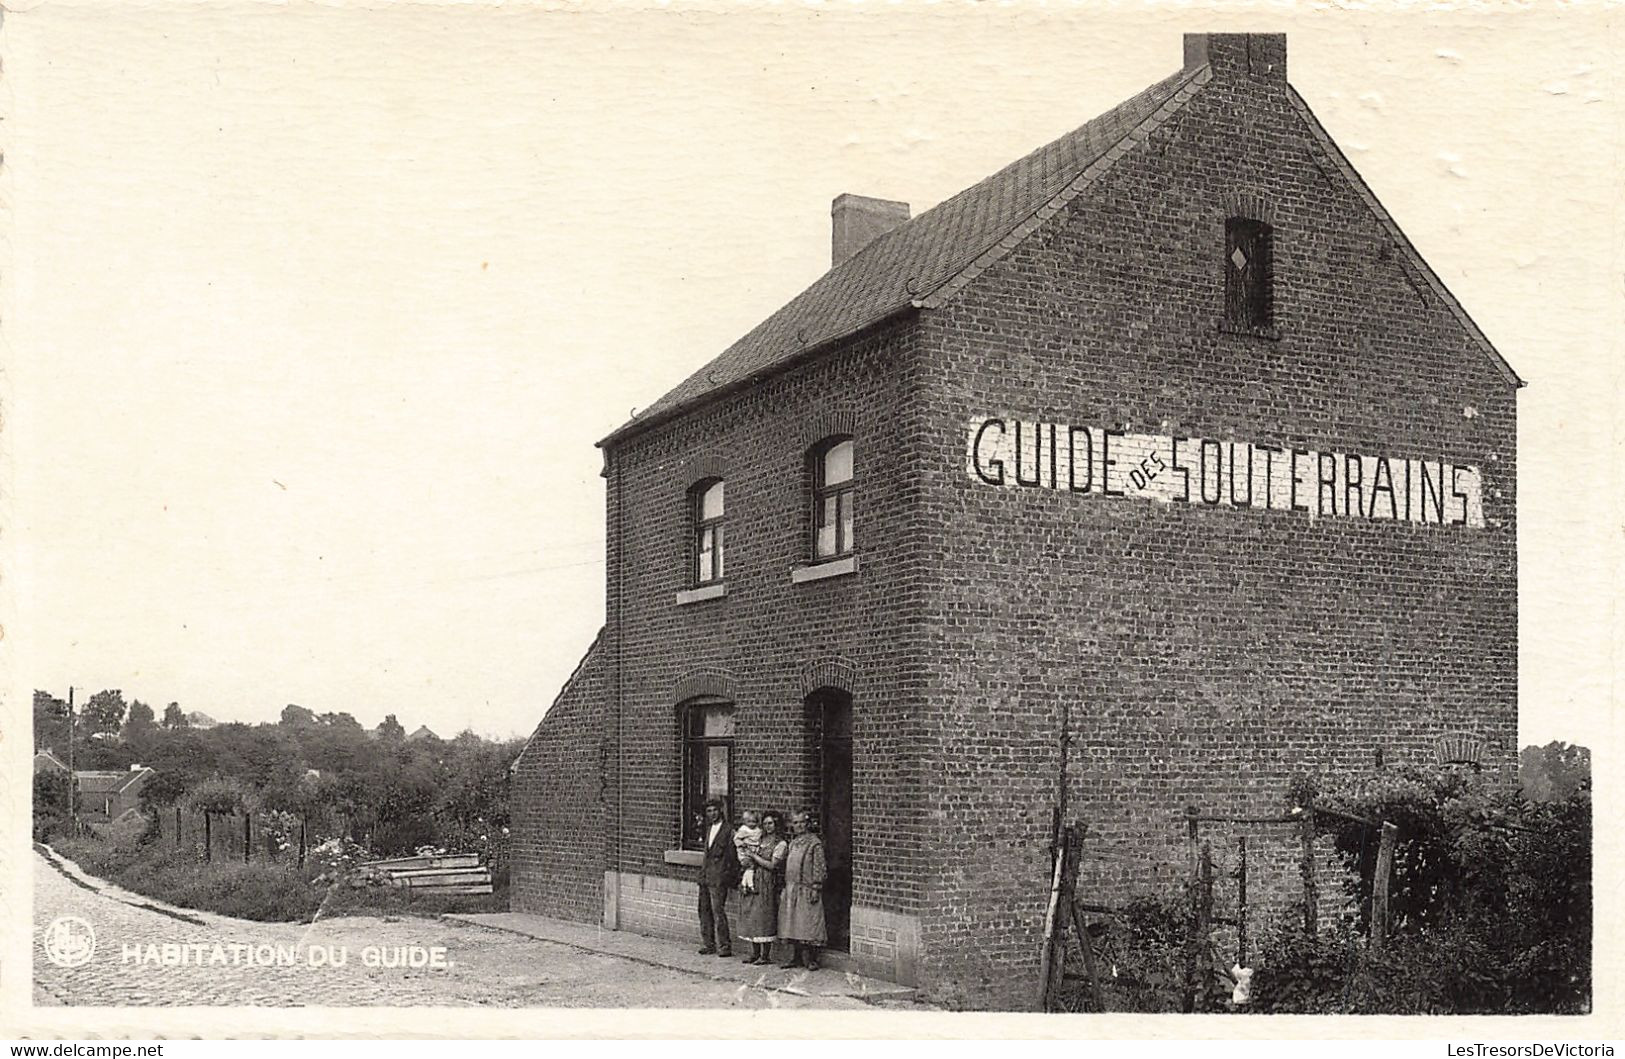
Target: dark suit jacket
(721, 864)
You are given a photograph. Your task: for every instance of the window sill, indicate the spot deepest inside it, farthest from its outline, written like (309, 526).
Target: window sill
(1230, 328)
(701, 594)
(692, 858)
(846, 564)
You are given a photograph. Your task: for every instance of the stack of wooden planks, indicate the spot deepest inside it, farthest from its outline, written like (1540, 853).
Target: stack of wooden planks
(445, 873)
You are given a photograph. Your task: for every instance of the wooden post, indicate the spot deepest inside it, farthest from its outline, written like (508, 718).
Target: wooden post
(1046, 991)
(1311, 899)
(1194, 932)
(177, 827)
(1204, 916)
(1200, 926)
(248, 834)
(1379, 887)
(1068, 855)
(208, 836)
(73, 777)
(1097, 996)
(1241, 901)
(301, 840)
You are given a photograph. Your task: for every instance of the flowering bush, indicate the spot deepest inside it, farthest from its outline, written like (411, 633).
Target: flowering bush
(278, 830)
(335, 858)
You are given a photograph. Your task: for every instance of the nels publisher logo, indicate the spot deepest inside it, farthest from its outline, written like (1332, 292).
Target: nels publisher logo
(69, 941)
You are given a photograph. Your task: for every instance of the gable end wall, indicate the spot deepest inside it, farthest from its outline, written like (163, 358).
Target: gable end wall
(1206, 655)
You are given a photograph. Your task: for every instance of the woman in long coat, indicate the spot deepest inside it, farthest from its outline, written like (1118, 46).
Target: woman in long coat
(759, 909)
(801, 911)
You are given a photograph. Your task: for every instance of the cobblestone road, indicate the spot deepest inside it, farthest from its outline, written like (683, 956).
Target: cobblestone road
(484, 967)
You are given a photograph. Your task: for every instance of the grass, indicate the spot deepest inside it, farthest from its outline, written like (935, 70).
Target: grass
(267, 891)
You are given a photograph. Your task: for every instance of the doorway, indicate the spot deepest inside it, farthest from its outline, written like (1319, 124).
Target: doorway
(835, 813)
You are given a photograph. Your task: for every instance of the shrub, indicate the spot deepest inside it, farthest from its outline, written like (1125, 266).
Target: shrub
(1489, 899)
(50, 805)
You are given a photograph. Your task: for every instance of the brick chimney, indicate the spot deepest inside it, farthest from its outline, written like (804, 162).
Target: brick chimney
(1257, 55)
(858, 221)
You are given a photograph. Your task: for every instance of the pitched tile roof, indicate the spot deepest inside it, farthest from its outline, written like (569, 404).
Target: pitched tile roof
(101, 782)
(906, 265)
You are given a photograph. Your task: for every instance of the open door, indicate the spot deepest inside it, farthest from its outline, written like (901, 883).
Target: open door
(835, 814)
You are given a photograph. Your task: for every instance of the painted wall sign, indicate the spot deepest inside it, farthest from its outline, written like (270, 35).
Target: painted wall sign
(1023, 454)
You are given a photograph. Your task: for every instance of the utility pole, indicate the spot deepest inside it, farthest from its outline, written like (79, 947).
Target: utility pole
(73, 779)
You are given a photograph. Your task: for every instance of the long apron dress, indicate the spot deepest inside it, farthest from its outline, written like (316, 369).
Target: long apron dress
(801, 918)
(759, 911)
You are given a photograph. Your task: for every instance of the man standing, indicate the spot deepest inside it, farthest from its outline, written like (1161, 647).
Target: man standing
(718, 872)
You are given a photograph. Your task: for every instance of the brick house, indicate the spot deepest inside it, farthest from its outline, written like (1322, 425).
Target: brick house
(1163, 436)
(46, 761)
(108, 796)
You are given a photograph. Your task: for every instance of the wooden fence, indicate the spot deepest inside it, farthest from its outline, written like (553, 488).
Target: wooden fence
(242, 836)
(285, 837)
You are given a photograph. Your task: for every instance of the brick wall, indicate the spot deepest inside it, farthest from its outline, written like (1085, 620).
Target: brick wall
(1206, 655)
(559, 817)
(768, 642)
(1201, 654)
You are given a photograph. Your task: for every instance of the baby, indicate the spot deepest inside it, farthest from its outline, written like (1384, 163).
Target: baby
(748, 839)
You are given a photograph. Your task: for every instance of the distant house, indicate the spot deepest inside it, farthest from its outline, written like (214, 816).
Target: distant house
(199, 719)
(45, 761)
(421, 734)
(106, 796)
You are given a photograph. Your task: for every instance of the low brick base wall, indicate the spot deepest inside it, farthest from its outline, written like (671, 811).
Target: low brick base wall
(651, 904)
(885, 945)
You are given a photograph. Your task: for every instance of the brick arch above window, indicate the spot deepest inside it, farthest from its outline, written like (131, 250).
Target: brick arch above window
(1459, 748)
(829, 673)
(697, 682)
(1249, 204)
(828, 423)
(701, 468)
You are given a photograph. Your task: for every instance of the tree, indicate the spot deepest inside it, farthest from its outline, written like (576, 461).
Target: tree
(50, 721)
(216, 795)
(342, 722)
(175, 717)
(165, 788)
(295, 716)
(104, 712)
(391, 729)
(1552, 772)
(140, 721)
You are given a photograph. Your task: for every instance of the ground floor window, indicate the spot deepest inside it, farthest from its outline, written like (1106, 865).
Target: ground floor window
(708, 764)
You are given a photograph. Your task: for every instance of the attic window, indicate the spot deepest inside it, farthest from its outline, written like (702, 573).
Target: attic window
(1247, 275)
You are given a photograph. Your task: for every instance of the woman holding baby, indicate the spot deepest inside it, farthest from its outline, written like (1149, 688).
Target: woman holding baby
(762, 858)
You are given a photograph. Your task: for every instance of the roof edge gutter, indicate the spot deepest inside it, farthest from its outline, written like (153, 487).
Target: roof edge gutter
(638, 426)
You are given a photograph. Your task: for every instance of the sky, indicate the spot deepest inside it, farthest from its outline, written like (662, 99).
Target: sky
(314, 313)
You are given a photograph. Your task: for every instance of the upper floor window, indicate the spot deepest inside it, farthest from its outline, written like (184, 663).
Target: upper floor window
(1247, 273)
(832, 500)
(706, 501)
